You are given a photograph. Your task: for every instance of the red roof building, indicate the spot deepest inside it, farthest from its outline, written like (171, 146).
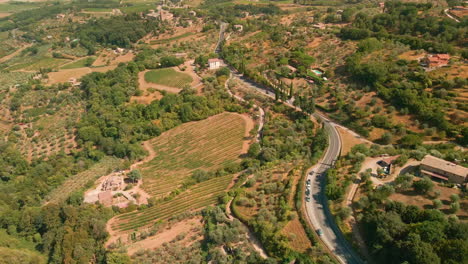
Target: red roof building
(437, 60)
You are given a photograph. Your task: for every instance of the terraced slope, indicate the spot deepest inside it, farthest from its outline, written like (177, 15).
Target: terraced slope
(206, 145)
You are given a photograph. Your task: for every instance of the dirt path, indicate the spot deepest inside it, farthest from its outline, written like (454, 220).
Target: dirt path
(249, 125)
(250, 235)
(9, 56)
(144, 85)
(197, 80)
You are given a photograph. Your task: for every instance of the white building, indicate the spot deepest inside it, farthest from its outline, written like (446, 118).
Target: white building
(214, 64)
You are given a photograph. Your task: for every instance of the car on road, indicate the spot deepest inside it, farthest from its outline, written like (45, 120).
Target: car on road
(307, 199)
(319, 232)
(311, 173)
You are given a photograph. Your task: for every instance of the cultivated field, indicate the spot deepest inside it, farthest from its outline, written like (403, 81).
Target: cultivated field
(205, 145)
(78, 181)
(196, 197)
(168, 77)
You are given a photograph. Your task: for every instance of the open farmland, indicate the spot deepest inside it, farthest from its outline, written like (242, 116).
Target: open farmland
(204, 145)
(85, 62)
(168, 77)
(78, 181)
(196, 197)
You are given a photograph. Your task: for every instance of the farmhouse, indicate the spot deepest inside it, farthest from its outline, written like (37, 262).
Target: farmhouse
(438, 168)
(214, 64)
(436, 60)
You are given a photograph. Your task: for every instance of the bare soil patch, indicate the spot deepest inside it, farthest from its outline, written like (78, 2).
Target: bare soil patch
(166, 235)
(64, 75)
(412, 55)
(425, 202)
(349, 140)
(107, 58)
(18, 51)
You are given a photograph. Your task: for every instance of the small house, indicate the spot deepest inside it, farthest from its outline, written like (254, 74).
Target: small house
(436, 60)
(192, 13)
(214, 64)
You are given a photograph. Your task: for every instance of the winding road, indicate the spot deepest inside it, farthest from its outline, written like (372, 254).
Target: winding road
(317, 209)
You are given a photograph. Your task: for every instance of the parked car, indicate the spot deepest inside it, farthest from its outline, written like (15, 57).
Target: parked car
(319, 232)
(307, 199)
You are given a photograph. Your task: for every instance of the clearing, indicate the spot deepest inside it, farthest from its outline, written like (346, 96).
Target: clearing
(410, 197)
(349, 139)
(168, 77)
(167, 235)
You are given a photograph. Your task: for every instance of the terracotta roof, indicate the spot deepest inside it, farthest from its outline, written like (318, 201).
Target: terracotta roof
(443, 56)
(213, 60)
(444, 165)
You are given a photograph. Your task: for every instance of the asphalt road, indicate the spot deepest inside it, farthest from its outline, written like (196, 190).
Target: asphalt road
(317, 209)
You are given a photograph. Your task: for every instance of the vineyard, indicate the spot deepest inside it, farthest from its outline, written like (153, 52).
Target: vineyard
(168, 77)
(78, 181)
(205, 145)
(196, 197)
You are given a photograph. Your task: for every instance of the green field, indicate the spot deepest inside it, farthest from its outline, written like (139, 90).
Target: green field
(196, 197)
(163, 41)
(85, 62)
(205, 145)
(168, 77)
(8, 79)
(78, 181)
(38, 63)
(97, 9)
(17, 7)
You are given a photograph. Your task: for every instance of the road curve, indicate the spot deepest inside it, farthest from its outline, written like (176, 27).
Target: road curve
(317, 209)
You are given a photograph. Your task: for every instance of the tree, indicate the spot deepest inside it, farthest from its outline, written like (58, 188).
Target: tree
(386, 138)
(454, 198)
(254, 150)
(437, 204)
(411, 140)
(134, 175)
(455, 207)
(423, 186)
(117, 258)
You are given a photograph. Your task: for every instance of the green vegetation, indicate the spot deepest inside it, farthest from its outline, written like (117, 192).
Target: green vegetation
(85, 62)
(169, 40)
(204, 145)
(195, 197)
(81, 180)
(396, 232)
(168, 77)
